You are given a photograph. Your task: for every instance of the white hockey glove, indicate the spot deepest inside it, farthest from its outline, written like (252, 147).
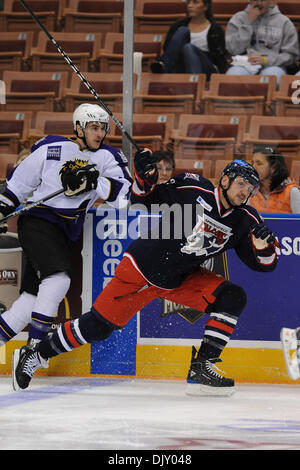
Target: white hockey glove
(80, 180)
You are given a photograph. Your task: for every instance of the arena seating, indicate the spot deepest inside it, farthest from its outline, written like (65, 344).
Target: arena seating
(275, 131)
(14, 17)
(14, 130)
(15, 49)
(205, 121)
(109, 87)
(156, 16)
(169, 93)
(148, 129)
(110, 58)
(83, 16)
(80, 47)
(33, 91)
(208, 137)
(239, 94)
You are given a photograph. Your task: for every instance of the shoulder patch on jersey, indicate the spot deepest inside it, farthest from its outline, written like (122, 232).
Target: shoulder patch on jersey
(193, 176)
(195, 179)
(53, 152)
(204, 204)
(49, 139)
(118, 154)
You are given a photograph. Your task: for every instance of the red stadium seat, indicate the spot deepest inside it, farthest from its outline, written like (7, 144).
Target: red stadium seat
(169, 93)
(15, 49)
(110, 58)
(156, 16)
(83, 16)
(33, 91)
(109, 87)
(80, 47)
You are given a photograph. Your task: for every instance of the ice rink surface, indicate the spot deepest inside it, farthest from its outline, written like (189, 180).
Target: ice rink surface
(64, 413)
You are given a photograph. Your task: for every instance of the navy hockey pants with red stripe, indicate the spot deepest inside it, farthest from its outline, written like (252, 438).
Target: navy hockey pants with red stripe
(129, 291)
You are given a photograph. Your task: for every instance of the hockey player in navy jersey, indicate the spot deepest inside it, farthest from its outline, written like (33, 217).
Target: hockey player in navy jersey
(170, 267)
(88, 170)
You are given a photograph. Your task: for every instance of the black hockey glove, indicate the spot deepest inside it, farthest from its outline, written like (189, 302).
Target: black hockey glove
(262, 236)
(263, 232)
(146, 172)
(5, 210)
(80, 180)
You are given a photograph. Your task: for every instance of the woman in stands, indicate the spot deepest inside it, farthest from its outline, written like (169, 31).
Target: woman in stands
(165, 165)
(195, 44)
(278, 192)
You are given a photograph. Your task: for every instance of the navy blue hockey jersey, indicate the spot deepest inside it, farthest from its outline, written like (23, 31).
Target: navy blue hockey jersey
(194, 227)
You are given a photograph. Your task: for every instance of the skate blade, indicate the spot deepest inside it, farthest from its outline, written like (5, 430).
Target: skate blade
(15, 361)
(289, 346)
(206, 390)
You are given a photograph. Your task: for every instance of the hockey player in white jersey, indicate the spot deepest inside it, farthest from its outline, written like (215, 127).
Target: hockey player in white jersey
(88, 170)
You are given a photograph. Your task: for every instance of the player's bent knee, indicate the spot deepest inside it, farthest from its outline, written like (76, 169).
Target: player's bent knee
(231, 299)
(56, 284)
(93, 327)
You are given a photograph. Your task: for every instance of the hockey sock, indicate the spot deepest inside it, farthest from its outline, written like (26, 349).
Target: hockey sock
(17, 317)
(88, 328)
(220, 326)
(51, 292)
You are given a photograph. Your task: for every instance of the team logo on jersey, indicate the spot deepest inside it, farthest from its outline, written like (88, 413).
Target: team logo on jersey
(208, 237)
(191, 176)
(70, 165)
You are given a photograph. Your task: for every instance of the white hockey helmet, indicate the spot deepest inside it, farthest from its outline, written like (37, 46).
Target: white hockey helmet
(87, 112)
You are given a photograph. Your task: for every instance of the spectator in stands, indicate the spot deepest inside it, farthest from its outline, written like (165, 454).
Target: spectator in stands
(277, 192)
(195, 44)
(261, 40)
(22, 155)
(165, 165)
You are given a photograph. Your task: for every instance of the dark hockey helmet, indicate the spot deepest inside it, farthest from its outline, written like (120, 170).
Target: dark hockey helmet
(244, 170)
(241, 168)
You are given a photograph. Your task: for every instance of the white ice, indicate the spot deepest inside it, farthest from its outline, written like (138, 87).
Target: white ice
(63, 413)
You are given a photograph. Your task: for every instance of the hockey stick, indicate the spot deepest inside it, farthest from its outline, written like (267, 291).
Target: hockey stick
(34, 204)
(79, 74)
(30, 206)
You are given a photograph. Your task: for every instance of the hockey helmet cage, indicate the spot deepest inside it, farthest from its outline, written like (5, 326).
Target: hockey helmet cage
(245, 170)
(87, 112)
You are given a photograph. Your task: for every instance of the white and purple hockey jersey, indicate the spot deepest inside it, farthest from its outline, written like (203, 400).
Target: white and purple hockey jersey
(38, 176)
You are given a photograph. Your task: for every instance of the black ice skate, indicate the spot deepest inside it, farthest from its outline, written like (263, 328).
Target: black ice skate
(15, 361)
(203, 378)
(29, 362)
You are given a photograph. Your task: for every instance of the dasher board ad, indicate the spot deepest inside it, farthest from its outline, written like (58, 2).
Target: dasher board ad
(272, 298)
